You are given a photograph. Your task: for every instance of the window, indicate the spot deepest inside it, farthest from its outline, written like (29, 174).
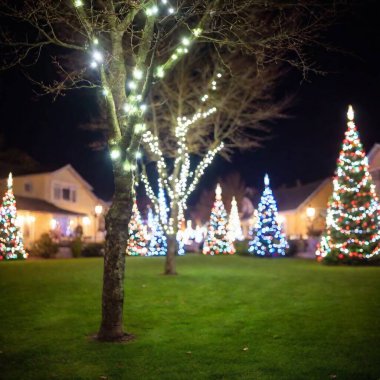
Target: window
(66, 194)
(28, 187)
(57, 192)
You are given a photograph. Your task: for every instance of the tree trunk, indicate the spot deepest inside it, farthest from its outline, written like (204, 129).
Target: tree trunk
(170, 256)
(117, 220)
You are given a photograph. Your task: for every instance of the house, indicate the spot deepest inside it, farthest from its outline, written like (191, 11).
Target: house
(302, 208)
(60, 202)
(374, 165)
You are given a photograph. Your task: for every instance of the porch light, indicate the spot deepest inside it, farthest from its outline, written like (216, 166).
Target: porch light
(310, 212)
(53, 224)
(86, 220)
(98, 210)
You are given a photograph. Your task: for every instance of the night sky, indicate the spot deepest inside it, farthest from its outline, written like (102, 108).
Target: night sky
(305, 146)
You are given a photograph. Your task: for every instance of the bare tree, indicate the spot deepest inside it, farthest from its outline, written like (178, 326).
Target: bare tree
(187, 127)
(121, 49)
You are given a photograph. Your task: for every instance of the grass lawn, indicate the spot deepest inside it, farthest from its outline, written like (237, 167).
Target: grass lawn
(221, 318)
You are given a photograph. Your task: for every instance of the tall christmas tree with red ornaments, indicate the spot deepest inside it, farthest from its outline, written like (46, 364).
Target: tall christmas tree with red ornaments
(11, 242)
(352, 233)
(218, 240)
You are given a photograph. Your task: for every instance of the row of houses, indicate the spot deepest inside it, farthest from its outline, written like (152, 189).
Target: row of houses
(63, 203)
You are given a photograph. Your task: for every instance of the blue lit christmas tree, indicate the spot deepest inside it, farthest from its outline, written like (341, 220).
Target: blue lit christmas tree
(268, 240)
(11, 242)
(158, 244)
(218, 240)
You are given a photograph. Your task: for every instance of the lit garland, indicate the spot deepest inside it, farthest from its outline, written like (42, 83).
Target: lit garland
(352, 231)
(268, 240)
(179, 189)
(11, 241)
(137, 78)
(234, 225)
(218, 240)
(137, 244)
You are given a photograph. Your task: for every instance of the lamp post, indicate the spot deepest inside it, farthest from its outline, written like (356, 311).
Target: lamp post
(98, 212)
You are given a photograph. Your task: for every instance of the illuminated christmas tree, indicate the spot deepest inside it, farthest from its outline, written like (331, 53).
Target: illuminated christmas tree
(352, 233)
(234, 225)
(163, 207)
(218, 241)
(137, 244)
(149, 223)
(158, 244)
(268, 240)
(11, 242)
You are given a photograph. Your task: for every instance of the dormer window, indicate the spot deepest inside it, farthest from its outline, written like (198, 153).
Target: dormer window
(28, 187)
(64, 192)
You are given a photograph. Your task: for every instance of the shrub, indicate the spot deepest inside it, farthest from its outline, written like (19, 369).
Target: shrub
(295, 246)
(93, 250)
(44, 247)
(76, 246)
(241, 247)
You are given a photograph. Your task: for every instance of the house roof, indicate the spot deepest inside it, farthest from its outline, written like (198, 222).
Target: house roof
(293, 197)
(17, 172)
(34, 204)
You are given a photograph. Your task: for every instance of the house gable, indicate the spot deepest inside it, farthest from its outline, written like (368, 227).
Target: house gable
(374, 157)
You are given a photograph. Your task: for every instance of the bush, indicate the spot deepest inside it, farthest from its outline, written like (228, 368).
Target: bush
(93, 250)
(76, 246)
(241, 247)
(44, 247)
(295, 246)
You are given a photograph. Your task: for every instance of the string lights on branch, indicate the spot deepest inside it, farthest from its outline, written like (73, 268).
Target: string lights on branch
(178, 189)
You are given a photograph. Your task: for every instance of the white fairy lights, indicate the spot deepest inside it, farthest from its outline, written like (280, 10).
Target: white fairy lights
(180, 185)
(163, 8)
(115, 154)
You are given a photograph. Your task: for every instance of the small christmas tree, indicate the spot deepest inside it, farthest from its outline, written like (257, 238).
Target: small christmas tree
(218, 240)
(11, 242)
(137, 242)
(352, 232)
(234, 225)
(158, 244)
(268, 240)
